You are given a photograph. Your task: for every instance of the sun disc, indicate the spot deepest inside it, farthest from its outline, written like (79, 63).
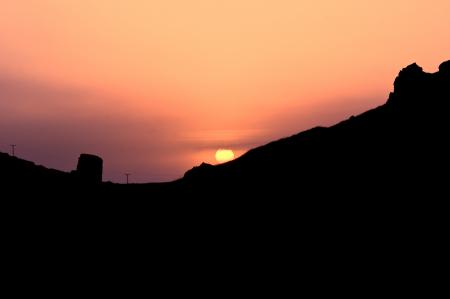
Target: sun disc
(224, 155)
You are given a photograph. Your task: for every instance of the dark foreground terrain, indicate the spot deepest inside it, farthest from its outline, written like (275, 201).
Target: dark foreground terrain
(389, 153)
(362, 204)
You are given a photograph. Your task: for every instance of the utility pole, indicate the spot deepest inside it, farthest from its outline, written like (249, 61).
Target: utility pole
(127, 175)
(13, 147)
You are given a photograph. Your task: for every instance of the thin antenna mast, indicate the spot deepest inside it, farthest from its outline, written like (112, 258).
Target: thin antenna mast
(13, 148)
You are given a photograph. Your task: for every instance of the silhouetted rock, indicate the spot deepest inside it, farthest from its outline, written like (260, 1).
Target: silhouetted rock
(409, 74)
(90, 168)
(408, 83)
(444, 68)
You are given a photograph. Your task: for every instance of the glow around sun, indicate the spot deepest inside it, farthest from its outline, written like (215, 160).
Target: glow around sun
(224, 155)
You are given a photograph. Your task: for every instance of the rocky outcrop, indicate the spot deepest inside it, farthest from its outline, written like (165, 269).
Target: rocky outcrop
(444, 68)
(417, 90)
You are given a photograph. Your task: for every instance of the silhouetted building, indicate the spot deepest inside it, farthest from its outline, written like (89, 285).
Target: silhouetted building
(90, 168)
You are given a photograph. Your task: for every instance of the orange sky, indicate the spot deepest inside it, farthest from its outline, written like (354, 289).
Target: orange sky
(155, 87)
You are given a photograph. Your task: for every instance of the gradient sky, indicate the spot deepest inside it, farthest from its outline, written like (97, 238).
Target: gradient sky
(156, 87)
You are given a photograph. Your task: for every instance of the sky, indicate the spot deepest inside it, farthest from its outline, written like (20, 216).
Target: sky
(156, 87)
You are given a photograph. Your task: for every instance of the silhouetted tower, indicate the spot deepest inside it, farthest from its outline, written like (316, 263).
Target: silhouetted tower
(127, 175)
(13, 148)
(90, 168)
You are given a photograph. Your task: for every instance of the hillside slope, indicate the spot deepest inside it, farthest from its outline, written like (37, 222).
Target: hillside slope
(400, 148)
(401, 145)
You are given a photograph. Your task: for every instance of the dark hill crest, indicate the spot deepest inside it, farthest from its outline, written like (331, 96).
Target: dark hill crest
(401, 145)
(398, 141)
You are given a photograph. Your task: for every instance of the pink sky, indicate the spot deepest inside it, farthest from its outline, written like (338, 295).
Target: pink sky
(156, 87)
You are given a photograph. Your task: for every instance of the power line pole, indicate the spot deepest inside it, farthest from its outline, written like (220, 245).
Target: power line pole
(127, 175)
(13, 147)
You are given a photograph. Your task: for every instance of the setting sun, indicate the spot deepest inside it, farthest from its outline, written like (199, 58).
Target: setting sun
(224, 155)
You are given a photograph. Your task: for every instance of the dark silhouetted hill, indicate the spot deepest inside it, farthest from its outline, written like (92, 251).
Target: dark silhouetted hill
(15, 170)
(399, 148)
(22, 177)
(366, 196)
